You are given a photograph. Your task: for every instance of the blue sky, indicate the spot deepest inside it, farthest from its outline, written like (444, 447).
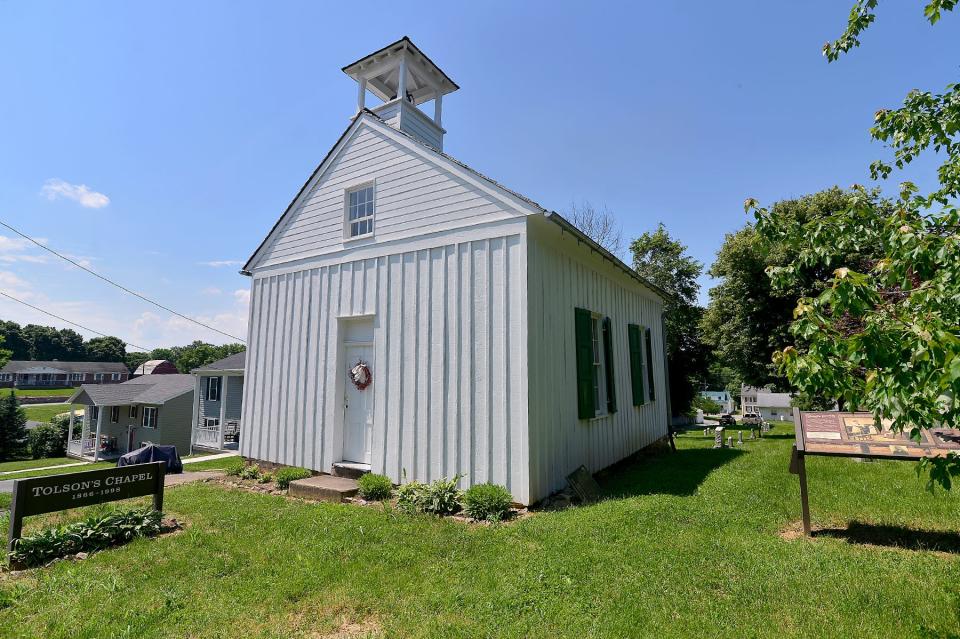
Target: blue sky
(160, 141)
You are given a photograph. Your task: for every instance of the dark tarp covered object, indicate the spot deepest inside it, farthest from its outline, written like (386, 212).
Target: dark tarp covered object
(154, 453)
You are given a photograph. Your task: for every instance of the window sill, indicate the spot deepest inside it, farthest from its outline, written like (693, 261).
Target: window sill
(357, 238)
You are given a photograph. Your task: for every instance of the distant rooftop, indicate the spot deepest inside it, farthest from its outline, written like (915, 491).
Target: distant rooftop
(148, 389)
(233, 362)
(19, 366)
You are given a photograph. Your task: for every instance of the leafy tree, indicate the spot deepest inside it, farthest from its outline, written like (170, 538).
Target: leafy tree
(105, 349)
(135, 359)
(14, 340)
(13, 428)
(747, 319)
(664, 261)
(4, 353)
(884, 333)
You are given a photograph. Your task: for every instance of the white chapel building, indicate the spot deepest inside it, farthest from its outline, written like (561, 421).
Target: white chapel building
(413, 317)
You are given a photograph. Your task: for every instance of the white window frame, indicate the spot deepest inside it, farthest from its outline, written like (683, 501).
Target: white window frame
(114, 376)
(114, 410)
(211, 422)
(599, 366)
(98, 377)
(347, 222)
(150, 415)
(4, 377)
(76, 377)
(210, 389)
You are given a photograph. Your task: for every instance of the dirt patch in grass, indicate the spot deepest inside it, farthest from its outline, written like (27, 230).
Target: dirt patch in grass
(353, 630)
(944, 542)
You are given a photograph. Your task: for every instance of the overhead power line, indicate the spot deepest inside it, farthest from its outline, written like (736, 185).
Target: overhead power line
(120, 286)
(64, 319)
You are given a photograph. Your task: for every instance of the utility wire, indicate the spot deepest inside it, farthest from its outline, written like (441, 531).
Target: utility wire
(64, 319)
(120, 286)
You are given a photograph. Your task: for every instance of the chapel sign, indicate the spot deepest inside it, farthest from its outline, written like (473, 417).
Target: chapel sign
(40, 495)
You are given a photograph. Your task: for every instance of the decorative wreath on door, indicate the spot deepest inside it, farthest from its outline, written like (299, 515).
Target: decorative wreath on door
(360, 375)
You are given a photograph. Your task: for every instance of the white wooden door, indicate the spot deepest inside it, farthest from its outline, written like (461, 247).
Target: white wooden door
(357, 406)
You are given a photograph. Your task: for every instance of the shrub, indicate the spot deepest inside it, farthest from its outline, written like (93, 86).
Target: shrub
(441, 497)
(410, 496)
(234, 466)
(486, 502)
(251, 471)
(373, 487)
(284, 476)
(93, 533)
(47, 440)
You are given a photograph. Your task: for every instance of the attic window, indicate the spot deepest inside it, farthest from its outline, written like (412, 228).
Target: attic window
(359, 214)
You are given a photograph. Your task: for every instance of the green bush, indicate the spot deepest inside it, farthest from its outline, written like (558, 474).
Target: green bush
(47, 440)
(284, 476)
(93, 533)
(251, 471)
(234, 466)
(440, 497)
(486, 502)
(374, 487)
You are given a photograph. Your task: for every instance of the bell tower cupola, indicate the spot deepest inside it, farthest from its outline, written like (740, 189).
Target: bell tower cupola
(403, 78)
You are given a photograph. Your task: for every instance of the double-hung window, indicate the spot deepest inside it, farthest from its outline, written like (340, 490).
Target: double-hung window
(76, 377)
(359, 212)
(114, 414)
(133, 411)
(213, 389)
(149, 417)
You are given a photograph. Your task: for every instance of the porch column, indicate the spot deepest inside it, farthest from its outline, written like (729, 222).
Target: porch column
(196, 412)
(223, 407)
(73, 416)
(96, 439)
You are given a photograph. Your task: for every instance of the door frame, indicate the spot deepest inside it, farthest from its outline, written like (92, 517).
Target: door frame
(340, 381)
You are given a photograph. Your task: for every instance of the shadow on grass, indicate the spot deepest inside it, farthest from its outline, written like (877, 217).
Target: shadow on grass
(666, 473)
(894, 536)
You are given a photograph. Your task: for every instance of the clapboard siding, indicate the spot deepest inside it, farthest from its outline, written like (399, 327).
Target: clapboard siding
(564, 274)
(449, 372)
(413, 195)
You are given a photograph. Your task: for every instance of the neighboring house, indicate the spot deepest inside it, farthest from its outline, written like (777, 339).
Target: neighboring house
(156, 367)
(413, 317)
(721, 397)
(56, 374)
(769, 405)
(218, 393)
(122, 417)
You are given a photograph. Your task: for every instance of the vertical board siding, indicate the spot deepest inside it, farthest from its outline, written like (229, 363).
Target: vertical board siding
(449, 386)
(562, 275)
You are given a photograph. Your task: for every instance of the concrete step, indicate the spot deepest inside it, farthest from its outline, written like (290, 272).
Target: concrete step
(323, 488)
(350, 470)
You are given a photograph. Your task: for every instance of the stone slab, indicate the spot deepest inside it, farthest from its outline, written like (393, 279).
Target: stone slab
(323, 488)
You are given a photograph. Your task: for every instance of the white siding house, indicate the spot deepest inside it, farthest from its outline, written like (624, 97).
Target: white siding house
(461, 297)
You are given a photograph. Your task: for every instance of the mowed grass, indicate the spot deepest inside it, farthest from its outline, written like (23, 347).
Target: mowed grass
(41, 392)
(46, 412)
(685, 544)
(25, 464)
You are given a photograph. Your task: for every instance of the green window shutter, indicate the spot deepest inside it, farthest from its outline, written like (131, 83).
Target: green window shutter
(649, 364)
(584, 337)
(636, 364)
(608, 365)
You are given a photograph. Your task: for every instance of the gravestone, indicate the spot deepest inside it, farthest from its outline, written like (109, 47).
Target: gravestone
(718, 437)
(740, 438)
(730, 441)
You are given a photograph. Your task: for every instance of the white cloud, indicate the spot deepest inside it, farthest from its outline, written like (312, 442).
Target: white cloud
(211, 290)
(242, 295)
(12, 284)
(16, 249)
(55, 188)
(219, 263)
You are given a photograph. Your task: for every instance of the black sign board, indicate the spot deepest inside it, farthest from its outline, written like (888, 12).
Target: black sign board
(584, 485)
(40, 495)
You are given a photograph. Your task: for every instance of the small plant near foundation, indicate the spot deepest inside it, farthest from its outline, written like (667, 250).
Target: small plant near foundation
(486, 502)
(374, 487)
(234, 466)
(251, 471)
(284, 476)
(439, 497)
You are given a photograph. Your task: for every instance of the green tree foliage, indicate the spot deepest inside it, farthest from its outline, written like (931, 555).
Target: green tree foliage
(186, 358)
(13, 428)
(664, 262)
(747, 319)
(105, 349)
(884, 332)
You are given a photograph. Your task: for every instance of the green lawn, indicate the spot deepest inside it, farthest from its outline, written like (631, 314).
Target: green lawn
(25, 464)
(686, 545)
(41, 392)
(46, 412)
(214, 464)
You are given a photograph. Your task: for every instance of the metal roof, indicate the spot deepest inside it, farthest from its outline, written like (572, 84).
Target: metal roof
(17, 366)
(149, 389)
(233, 362)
